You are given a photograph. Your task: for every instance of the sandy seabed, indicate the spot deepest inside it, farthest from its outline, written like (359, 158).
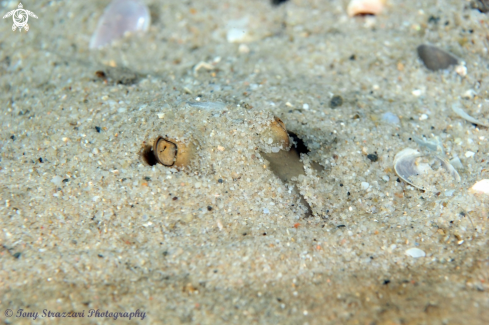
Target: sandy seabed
(85, 225)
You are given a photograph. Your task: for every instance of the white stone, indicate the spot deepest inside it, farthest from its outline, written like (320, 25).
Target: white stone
(365, 185)
(469, 154)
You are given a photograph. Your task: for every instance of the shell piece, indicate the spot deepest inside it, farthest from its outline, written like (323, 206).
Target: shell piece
(415, 252)
(411, 170)
(119, 18)
(407, 165)
(365, 7)
(432, 145)
(460, 112)
(434, 58)
(481, 187)
(173, 153)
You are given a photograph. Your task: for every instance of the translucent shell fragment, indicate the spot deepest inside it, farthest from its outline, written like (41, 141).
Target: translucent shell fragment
(365, 7)
(408, 166)
(120, 17)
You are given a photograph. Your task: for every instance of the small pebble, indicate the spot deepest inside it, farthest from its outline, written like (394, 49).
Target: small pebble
(385, 178)
(469, 154)
(434, 58)
(365, 185)
(423, 117)
(336, 101)
(209, 208)
(373, 157)
(265, 210)
(98, 129)
(415, 252)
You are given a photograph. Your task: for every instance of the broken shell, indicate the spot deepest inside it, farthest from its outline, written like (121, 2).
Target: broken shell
(406, 165)
(365, 7)
(276, 135)
(435, 58)
(460, 112)
(481, 187)
(172, 153)
(411, 170)
(119, 18)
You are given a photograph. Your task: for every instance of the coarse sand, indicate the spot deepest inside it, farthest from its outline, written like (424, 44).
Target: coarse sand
(86, 225)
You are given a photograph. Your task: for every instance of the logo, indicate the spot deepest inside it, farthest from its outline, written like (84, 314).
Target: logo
(20, 16)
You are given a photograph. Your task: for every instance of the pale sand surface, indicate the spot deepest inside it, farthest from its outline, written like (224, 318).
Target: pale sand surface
(96, 229)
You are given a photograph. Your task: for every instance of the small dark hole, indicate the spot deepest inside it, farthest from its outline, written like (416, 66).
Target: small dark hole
(147, 155)
(299, 145)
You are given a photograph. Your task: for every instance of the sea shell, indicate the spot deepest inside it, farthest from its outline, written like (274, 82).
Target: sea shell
(119, 18)
(408, 166)
(460, 112)
(365, 7)
(481, 187)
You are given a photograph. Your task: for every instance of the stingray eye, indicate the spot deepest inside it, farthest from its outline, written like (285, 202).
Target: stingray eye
(168, 152)
(120, 17)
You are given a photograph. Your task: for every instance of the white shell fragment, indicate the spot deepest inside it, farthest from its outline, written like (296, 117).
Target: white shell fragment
(460, 112)
(432, 145)
(120, 17)
(406, 165)
(415, 252)
(411, 170)
(481, 187)
(365, 7)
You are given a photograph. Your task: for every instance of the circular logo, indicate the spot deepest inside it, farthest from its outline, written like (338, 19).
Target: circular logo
(20, 17)
(9, 312)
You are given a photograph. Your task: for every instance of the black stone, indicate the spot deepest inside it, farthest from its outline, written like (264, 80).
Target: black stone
(278, 2)
(434, 58)
(373, 157)
(98, 129)
(336, 101)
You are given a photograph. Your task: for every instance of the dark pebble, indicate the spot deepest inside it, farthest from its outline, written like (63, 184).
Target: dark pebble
(17, 255)
(278, 2)
(98, 129)
(209, 208)
(434, 58)
(336, 101)
(66, 180)
(220, 180)
(481, 5)
(386, 282)
(175, 198)
(373, 157)
(340, 226)
(40, 160)
(12, 137)
(147, 178)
